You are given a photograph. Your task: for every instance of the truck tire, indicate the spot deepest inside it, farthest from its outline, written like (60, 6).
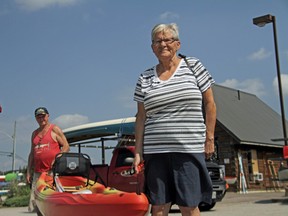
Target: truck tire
(206, 206)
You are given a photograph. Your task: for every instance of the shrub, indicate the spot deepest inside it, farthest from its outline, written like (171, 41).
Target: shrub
(18, 196)
(17, 201)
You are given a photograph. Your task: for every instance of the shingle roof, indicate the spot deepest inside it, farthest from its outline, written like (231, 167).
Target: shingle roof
(248, 119)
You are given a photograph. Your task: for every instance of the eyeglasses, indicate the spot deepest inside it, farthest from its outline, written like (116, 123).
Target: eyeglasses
(165, 40)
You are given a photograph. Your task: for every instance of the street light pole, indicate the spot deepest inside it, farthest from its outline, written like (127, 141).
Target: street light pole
(262, 21)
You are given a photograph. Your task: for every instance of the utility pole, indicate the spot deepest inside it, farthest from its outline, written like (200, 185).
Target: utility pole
(14, 148)
(13, 154)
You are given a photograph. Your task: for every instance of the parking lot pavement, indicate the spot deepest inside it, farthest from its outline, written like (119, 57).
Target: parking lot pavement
(250, 204)
(17, 211)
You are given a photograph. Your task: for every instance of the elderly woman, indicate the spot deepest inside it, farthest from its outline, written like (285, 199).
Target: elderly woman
(171, 135)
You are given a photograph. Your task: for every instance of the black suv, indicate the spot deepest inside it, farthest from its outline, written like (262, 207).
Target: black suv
(216, 173)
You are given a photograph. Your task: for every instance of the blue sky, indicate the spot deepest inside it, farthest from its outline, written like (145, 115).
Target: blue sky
(81, 58)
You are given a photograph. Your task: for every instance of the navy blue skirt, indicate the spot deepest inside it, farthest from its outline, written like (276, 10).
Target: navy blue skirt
(179, 178)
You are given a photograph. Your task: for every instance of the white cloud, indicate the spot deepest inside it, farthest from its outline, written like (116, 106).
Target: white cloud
(70, 120)
(169, 16)
(33, 5)
(284, 83)
(260, 55)
(253, 86)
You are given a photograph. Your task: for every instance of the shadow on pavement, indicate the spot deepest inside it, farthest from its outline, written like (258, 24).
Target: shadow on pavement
(283, 201)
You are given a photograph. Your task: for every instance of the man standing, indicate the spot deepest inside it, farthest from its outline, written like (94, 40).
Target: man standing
(46, 142)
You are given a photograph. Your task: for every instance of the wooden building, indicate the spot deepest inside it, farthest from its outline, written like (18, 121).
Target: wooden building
(244, 131)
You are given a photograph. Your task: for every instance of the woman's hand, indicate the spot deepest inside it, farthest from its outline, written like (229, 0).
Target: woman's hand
(137, 162)
(28, 177)
(209, 147)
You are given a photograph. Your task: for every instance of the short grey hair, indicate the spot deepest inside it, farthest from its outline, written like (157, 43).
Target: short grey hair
(172, 28)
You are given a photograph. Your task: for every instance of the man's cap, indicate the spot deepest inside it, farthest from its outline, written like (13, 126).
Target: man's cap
(41, 111)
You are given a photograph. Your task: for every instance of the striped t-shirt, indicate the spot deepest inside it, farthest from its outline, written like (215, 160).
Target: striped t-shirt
(174, 119)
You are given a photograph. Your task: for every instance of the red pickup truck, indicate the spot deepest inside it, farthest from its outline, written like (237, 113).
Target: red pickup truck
(115, 174)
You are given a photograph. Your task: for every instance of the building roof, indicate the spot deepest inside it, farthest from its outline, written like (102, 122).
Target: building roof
(246, 118)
